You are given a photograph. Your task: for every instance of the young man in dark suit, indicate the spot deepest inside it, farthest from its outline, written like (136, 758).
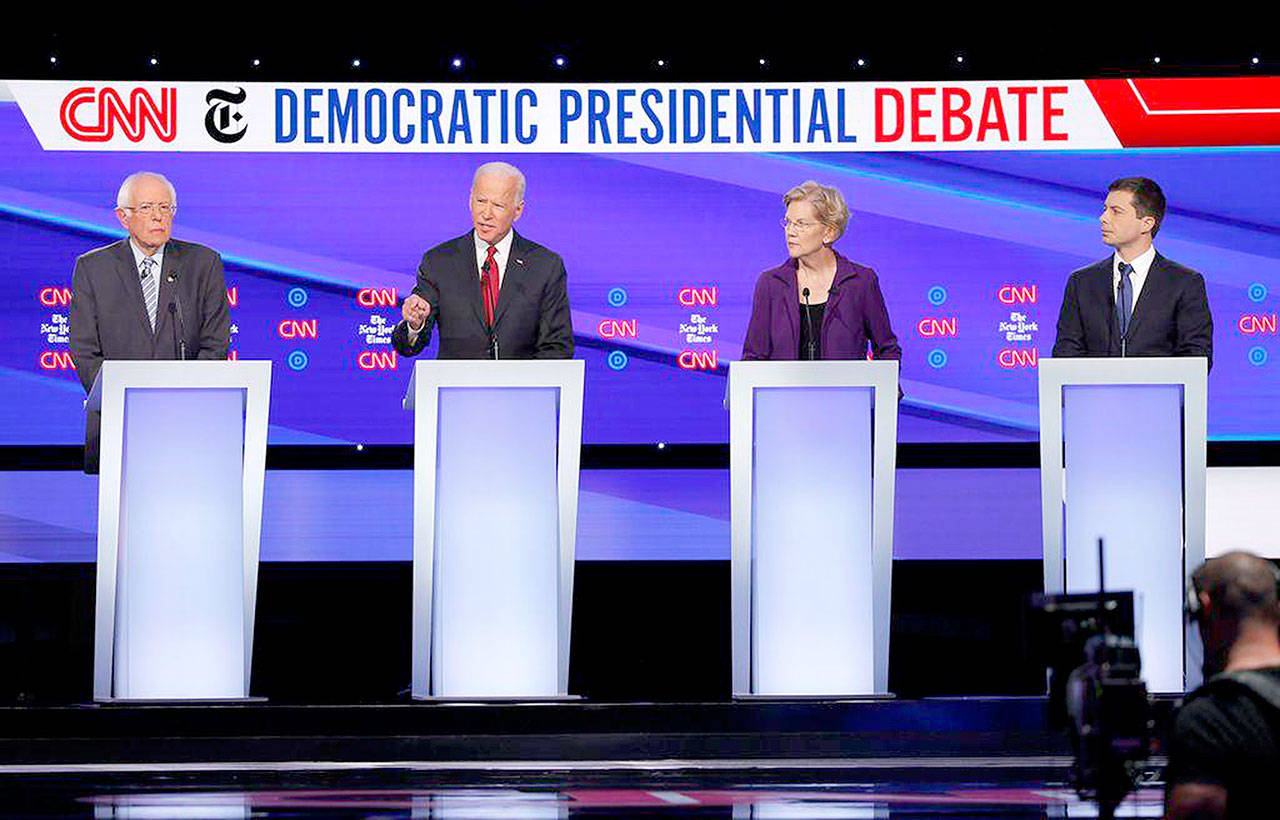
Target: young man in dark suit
(145, 297)
(492, 293)
(1135, 302)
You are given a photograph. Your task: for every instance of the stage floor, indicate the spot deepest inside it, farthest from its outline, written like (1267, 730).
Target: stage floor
(883, 788)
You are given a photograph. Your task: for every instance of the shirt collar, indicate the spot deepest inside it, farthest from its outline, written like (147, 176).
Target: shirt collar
(503, 245)
(138, 256)
(1140, 265)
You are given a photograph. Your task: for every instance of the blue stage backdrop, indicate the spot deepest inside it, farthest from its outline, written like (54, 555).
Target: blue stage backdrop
(663, 250)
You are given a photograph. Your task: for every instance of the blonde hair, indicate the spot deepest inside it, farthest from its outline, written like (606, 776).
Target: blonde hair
(826, 200)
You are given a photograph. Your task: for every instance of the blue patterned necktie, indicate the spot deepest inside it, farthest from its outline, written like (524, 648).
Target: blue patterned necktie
(1124, 298)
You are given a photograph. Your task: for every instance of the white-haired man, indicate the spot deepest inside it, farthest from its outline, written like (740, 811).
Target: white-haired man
(147, 296)
(491, 292)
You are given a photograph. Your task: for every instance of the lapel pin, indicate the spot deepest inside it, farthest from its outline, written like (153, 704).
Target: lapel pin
(519, 261)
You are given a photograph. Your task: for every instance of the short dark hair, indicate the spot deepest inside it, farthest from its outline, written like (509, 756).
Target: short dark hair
(1148, 199)
(1241, 585)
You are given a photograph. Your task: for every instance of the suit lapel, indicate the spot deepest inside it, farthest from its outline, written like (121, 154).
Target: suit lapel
(172, 262)
(1150, 288)
(131, 284)
(470, 275)
(1104, 294)
(512, 277)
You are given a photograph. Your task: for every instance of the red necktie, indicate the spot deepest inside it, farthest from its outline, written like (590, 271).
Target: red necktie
(489, 285)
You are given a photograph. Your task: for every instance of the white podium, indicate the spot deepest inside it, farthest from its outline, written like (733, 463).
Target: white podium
(1122, 458)
(813, 447)
(495, 495)
(179, 517)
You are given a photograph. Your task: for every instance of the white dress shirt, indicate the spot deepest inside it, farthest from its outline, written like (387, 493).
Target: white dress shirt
(1139, 275)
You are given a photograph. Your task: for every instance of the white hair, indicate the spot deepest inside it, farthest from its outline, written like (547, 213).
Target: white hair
(503, 169)
(124, 198)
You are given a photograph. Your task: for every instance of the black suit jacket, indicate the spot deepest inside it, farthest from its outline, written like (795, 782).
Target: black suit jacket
(531, 319)
(109, 316)
(1170, 318)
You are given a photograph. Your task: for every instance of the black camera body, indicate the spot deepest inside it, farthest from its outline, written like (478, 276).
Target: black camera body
(1096, 691)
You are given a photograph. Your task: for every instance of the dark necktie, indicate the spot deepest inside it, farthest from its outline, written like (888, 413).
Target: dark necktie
(1124, 298)
(489, 285)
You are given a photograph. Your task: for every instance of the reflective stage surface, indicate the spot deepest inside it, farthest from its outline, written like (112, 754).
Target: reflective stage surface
(299, 791)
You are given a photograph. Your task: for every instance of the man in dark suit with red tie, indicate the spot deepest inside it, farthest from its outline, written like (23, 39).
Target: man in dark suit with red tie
(492, 293)
(145, 297)
(1135, 302)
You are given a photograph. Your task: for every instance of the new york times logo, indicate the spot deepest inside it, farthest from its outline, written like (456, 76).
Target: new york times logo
(224, 122)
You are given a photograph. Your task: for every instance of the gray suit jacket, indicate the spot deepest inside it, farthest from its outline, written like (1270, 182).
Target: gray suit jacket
(109, 316)
(531, 319)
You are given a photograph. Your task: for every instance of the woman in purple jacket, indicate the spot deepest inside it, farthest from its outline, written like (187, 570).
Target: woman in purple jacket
(817, 304)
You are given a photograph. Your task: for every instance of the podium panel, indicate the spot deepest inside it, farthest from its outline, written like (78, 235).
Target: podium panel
(179, 518)
(1123, 459)
(813, 450)
(496, 452)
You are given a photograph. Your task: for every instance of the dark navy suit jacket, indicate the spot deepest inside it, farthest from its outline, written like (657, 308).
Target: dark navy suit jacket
(1170, 318)
(531, 319)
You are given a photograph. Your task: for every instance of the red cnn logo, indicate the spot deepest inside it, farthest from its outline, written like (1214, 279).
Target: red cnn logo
(376, 297)
(1250, 324)
(693, 297)
(689, 360)
(295, 329)
(55, 297)
(614, 329)
(931, 328)
(374, 360)
(91, 116)
(56, 360)
(1018, 294)
(1010, 358)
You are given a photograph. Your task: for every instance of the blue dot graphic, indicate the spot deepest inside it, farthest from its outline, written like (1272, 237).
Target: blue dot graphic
(936, 295)
(1257, 292)
(617, 297)
(617, 360)
(1257, 356)
(298, 360)
(937, 359)
(297, 297)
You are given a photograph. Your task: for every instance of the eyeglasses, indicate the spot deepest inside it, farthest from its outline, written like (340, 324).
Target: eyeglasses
(164, 209)
(798, 224)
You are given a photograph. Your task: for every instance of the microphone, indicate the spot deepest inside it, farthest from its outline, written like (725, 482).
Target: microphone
(808, 319)
(179, 328)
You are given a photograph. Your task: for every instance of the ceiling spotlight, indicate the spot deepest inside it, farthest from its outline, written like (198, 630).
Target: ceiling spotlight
(256, 62)
(662, 445)
(456, 62)
(1156, 60)
(763, 61)
(1255, 61)
(154, 61)
(861, 62)
(959, 58)
(355, 63)
(560, 61)
(663, 63)
(54, 60)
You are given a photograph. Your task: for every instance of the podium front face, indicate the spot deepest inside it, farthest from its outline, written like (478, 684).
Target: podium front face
(180, 496)
(1123, 459)
(496, 451)
(812, 476)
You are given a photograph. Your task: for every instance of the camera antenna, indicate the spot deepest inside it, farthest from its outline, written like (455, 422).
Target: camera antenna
(1102, 573)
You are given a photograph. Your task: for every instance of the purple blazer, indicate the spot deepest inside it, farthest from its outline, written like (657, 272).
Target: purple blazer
(855, 314)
